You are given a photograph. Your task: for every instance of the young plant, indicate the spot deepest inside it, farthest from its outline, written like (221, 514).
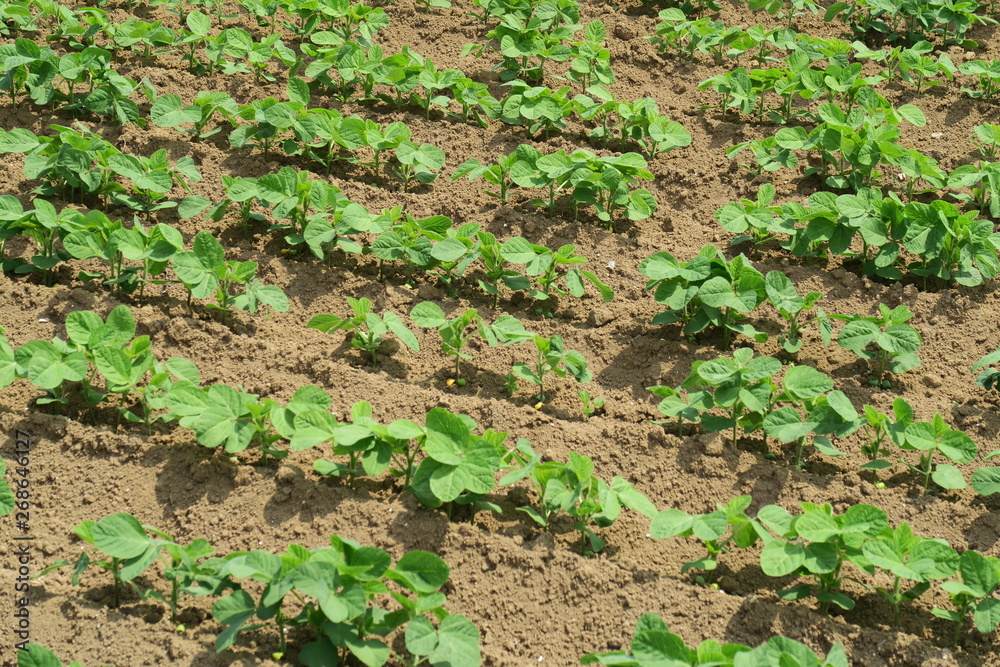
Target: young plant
(459, 466)
(498, 174)
(380, 140)
(728, 523)
(122, 366)
(818, 544)
(528, 42)
(416, 242)
(653, 644)
(169, 111)
(48, 366)
(476, 101)
(125, 542)
(434, 81)
(886, 339)
(912, 558)
(455, 333)
(218, 414)
(741, 386)
(266, 120)
(782, 295)
(707, 290)
(987, 140)
(544, 264)
(152, 248)
(204, 271)
(591, 63)
(190, 571)
(878, 427)
(980, 577)
(988, 74)
(336, 596)
(988, 378)
(551, 356)
(420, 162)
(572, 488)
(537, 107)
(755, 221)
(589, 405)
(152, 178)
(607, 183)
(936, 436)
(683, 404)
(369, 329)
(494, 266)
(642, 123)
(814, 409)
(363, 440)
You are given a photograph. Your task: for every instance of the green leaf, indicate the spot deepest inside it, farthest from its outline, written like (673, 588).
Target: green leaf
(34, 655)
(447, 436)
(120, 536)
(233, 610)
(805, 382)
(169, 111)
(428, 315)
(785, 424)
(958, 447)
(421, 637)
(912, 114)
(371, 652)
(986, 481)
(780, 558)
(401, 330)
(669, 523)
(987, 615)
(857, 335)
(191, 206)
(298, 92)
(948, 477)
(420, 571)
(458, 643)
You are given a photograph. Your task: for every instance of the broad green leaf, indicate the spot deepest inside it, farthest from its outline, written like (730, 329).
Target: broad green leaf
(428, 315)
(120, 536)
(233, 610)
(948, 477)
(805, 382)
(458, 643)
(780, 558)
(420, 571)
(986, 481)
(34, 655)
(447, 436)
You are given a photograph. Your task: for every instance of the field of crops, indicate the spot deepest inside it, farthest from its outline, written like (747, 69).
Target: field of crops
(470, 332)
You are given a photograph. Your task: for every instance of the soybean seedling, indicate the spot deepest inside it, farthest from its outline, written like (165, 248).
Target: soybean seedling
(936, 436)
(455, 333)
(590, 405)
(573, 489)
(895, 342)
(552, 357)
(369, 328)
(782, 295)
(909, 557)
(974, 593)
(879, 426)
(712, 529)
(124, 541)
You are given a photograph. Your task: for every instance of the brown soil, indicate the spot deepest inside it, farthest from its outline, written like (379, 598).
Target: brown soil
(534, 597)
